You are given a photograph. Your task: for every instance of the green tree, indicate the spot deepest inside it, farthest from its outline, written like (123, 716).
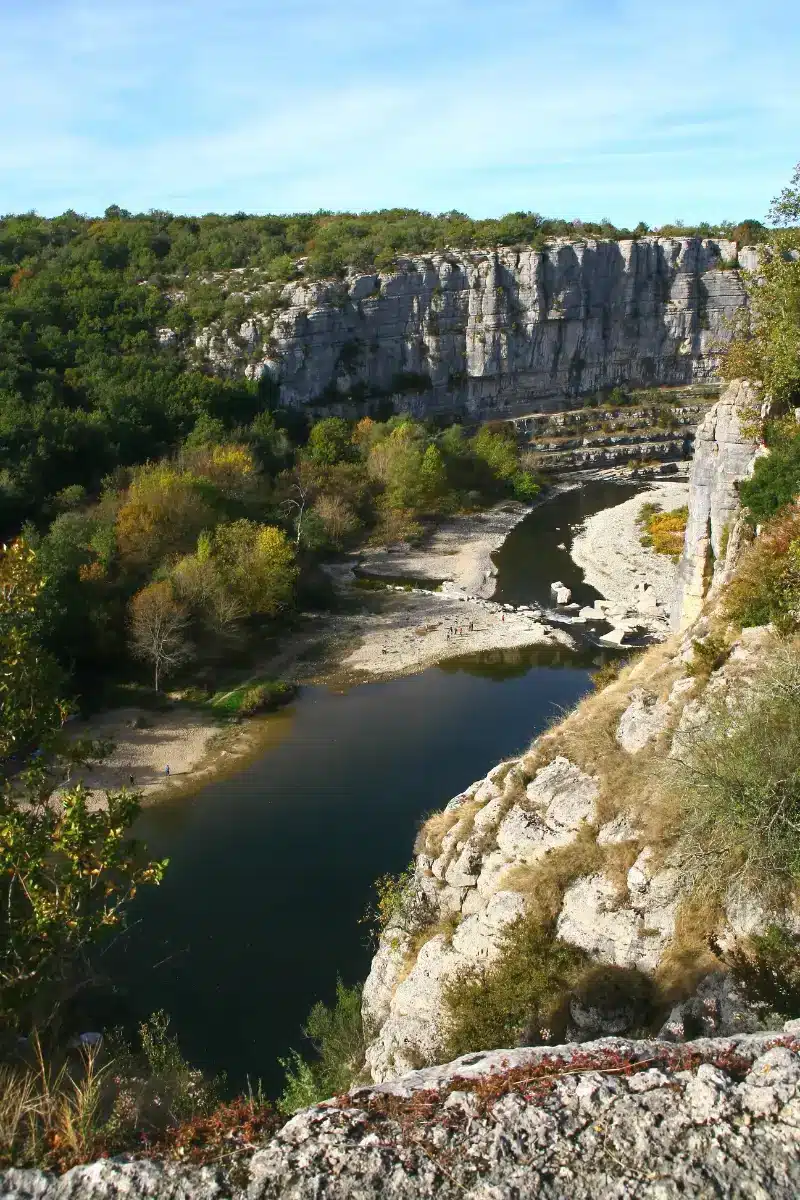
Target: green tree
(330, 441)
(29, 678)
(67, 866)
(766, 346)
(258, 563)
(433, 475)
(337, 1035)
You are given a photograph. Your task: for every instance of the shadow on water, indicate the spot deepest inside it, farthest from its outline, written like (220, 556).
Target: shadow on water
(272, 867)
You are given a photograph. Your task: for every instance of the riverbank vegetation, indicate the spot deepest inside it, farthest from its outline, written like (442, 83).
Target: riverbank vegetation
(663, 531)
(183, 563)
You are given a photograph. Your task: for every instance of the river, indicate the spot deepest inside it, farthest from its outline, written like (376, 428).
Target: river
(272, 867)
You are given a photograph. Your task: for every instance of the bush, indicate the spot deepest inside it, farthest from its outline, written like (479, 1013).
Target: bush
(606, 674)
(707, 655)
(775, 481)
(337, 1035)
(766, 968)
(736, 782)
(522, 999)
(252, 698)
(663, 531)
(612, 998)
(766, 586)
(104, 1100)
(399, 905)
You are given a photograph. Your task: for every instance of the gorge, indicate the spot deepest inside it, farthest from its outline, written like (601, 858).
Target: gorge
(566, 830)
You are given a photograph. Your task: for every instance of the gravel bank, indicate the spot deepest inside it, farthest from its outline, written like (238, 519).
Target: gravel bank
(609, 551)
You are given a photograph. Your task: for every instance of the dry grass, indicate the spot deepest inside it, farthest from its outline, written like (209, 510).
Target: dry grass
(689, 955)
(544, 883)
(618, 858)
(446, 925)
(52, 1117)
(432, 833)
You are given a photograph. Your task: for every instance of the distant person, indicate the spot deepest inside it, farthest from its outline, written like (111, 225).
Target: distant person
(166, 770)
(131, 780)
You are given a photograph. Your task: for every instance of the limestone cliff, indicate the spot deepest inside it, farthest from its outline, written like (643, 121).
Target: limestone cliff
(724, 453)
(478, 331)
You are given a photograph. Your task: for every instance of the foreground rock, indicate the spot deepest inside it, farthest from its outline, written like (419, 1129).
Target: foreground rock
(612, 1118)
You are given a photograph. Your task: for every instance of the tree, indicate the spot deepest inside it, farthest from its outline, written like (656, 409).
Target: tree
(158, 629)
(433, 475)
(766, 342)
(162, 515)
(29, 678)
(258, 564)
(67, 867)
(330, 441)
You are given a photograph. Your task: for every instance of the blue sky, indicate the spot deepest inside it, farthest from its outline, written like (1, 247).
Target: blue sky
(631, 109)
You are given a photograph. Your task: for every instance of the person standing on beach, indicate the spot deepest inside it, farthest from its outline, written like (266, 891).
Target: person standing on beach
(166, 768)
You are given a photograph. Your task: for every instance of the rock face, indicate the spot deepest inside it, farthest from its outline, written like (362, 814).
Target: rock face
(725, 453)
(568, 821)
(478, 331)
(612, 1118)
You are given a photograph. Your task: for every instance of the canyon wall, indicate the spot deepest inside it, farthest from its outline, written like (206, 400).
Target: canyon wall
(725, 451)
(494, 331)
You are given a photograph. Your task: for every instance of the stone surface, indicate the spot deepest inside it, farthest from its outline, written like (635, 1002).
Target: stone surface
(724, 455)
(643, 720)
(494, 331)
(718, 1117)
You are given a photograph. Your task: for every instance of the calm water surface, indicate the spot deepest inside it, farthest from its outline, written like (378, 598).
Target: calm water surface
(272, 867)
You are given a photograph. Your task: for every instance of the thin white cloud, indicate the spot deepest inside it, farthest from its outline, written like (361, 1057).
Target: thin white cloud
(441, 103)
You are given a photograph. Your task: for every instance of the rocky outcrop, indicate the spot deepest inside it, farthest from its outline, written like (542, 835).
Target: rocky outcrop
(482, 331)
(612, 1118)
(725, 452)
(569, 812)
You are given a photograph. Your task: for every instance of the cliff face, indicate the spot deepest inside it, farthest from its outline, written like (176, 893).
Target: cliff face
(724, 453)
(476, 331)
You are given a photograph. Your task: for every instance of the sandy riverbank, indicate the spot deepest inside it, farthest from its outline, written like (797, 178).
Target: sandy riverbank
(147, 741)
(416, 630)
(459, 551)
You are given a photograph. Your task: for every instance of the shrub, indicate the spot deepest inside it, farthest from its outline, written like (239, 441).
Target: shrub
(251, 698)
(766, 968)
(707, 656)
(607, 673)
(522, 999)
(399, 905)
(337, 1035)
(736, 782)
(621, 997)
(766, 585)
(775, 481)
(104, 1100)
(663, 531)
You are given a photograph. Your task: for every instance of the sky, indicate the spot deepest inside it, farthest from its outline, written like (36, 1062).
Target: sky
(628, 109)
